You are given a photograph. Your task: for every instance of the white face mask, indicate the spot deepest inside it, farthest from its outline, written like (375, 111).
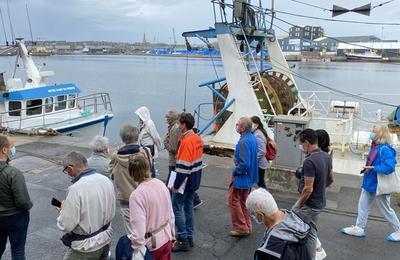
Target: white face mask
(253, 127)
(301, 147)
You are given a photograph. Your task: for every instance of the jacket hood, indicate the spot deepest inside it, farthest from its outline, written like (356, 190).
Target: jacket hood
(125, 152)
(129, 149)
(143, 113)
(291, 228)
(390, 148)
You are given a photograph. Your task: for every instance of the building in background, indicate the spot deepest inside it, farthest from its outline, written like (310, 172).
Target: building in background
(311, 39)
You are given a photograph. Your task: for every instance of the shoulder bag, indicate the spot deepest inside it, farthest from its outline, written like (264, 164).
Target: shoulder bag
(388, 183)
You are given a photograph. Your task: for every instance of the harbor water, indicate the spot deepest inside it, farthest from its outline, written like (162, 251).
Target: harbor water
(159, 82)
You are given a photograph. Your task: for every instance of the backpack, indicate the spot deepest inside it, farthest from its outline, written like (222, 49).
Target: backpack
(271, 150)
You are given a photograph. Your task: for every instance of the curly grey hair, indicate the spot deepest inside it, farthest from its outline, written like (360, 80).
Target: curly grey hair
(99, 144)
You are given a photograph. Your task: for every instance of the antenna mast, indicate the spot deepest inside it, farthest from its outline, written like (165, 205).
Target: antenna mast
(4, 27)
(11, 27)
(173, 34)
(29, 23)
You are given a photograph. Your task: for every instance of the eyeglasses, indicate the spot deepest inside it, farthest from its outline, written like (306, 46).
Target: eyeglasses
(65, 168)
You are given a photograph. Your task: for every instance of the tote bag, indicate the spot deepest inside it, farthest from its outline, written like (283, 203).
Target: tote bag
(390, 183)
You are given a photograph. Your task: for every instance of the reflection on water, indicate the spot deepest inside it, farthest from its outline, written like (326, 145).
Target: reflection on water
(158, 82)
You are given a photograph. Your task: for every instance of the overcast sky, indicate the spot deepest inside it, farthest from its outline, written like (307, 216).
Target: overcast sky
(127, 20)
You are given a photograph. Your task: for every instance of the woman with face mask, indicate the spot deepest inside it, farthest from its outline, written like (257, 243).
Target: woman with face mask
(262, 137)
(381, 160)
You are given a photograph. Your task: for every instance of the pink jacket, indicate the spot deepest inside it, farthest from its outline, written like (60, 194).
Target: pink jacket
(151, 208)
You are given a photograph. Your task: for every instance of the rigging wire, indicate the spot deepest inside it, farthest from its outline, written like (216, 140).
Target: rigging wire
(328, 37)
(11, 26)
(315, 6)
(330, 10)
(29, 23)
(381, 4)
(337, 20)
(186, 82)
(4, 27)
(342, 92)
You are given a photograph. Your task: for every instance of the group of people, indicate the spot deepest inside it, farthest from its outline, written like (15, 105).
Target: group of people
(158, 217)
(292, 234)
(315, 176)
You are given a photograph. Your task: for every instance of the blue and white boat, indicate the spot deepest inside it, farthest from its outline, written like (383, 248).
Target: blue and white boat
(35, 107)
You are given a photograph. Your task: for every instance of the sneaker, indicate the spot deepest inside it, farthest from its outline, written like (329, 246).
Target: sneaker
(320, 253)
(198, 204)
(242, 233)
(181, 245)
(190, 241)
(394, 237)
(353, 231)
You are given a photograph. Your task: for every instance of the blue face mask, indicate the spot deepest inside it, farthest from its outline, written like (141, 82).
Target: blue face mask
(12, 154)
(372, 136)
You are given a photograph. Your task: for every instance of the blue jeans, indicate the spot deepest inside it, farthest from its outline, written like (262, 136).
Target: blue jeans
(383, 203)
(14, 228)
(183, 210)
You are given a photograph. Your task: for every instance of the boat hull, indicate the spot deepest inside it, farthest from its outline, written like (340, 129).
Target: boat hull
(87, 129)
(364, 58)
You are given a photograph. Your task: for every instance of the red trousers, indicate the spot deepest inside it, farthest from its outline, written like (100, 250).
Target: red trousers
(163, 253)
(241, 220)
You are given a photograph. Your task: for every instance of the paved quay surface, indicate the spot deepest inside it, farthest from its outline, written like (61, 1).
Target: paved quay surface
(37, 157)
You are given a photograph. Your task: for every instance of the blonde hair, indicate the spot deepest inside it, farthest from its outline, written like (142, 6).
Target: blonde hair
(139, 168)
(385, 138)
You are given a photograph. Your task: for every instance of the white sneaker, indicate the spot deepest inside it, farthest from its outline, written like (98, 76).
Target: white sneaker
(353, 231)
(321, 254)
(394, 237)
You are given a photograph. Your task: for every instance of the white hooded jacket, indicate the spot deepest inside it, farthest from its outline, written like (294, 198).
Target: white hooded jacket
(148, 132)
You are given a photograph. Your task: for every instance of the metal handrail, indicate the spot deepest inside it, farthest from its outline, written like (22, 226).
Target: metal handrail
(197, 111)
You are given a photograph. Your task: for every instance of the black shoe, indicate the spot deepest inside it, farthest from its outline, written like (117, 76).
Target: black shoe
(181, 245)
(190, 241)
(198, 204)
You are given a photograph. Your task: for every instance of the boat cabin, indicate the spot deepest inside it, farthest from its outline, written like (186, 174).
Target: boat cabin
(28, 103)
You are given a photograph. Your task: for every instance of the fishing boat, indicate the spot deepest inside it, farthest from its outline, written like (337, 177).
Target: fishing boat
(34, 107)
(268, 90)
(367, 56)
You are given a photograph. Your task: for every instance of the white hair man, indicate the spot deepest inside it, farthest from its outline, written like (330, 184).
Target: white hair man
(87, 212)
(282, 227)
(99, 159)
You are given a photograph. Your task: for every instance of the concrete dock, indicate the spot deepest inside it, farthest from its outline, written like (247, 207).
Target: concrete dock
(39, 158)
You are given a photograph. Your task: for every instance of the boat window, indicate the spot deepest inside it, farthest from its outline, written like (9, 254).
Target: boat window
(34, 107)
(49, 104)
(61, 102)
(71, 100)
(14, 108)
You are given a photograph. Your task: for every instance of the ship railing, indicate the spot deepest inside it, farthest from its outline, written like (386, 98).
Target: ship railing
(318, 103)
(311, 104)
(87, 105)
(345, 126)
(199, 114)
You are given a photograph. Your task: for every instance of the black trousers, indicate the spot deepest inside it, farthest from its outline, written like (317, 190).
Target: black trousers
(261, 178)
(14, 228)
